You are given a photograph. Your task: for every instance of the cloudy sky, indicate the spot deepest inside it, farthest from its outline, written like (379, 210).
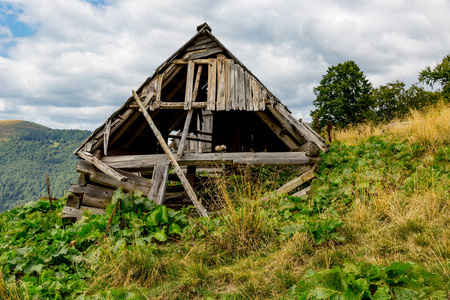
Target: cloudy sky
(71, 63)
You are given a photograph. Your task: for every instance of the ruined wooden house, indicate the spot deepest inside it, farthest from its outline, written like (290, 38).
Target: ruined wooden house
(202, 107)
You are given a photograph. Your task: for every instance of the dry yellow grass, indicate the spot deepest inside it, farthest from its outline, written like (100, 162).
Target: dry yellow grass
(431, 129)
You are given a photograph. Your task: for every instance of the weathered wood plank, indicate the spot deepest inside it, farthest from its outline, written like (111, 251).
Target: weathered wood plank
(189, 190)
(248, 91)
(82, 179)
(93, 190)
(207, 128)
(189, 85)
(134, 182)
(92, 201)
(73, 201)
(159, 183)
(262, 100)
(304, 192)
(256, 93)
(191, 138)
(300, 130)
(74, 213)
(231, 92)
(106, 137)
(206, 45)
(180, 105)
(295, 183)
(184, 135)
(143, 162)
(203, 53)
(203, 61)
(221, 83)
(101, 166)
(309, 148)
(239, 85)
(279, 132)
(212, 75)
(202, 40)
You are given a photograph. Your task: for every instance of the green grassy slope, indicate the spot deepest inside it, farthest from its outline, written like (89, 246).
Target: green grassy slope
(375, 226)
(28, 152)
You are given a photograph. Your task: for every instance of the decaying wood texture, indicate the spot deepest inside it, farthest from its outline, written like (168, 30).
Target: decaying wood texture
(191, 138)
(221, 83)
(75, 213)
(189, 85)
(309, 148)
(239, 84)
(159, 183)
(92, 201)
(200, 209)
(303, 192)
(134, 182)
(295, 183)
(101, 166)
(231, 93)
(93, 190)
(73, 201)
(299, 130)
(212, 84)
(106, 137)
(145, 162)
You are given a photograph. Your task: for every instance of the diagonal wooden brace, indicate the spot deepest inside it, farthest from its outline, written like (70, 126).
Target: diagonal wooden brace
(189, 190)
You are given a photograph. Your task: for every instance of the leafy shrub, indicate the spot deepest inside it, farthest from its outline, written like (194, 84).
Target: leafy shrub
(366, 281)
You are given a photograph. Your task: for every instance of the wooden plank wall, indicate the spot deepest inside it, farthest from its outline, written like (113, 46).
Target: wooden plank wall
(235, 88)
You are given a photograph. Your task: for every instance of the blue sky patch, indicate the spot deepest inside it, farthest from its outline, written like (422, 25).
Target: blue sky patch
(98, 3)
(9, 18)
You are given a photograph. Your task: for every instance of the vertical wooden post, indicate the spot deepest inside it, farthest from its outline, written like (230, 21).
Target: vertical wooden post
(187, 123)
(159, 183)
(106, 133)
(189, 190)
(48, 191)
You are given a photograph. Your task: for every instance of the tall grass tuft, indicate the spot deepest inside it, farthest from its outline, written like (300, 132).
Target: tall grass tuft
(430, 128)
(11, 290)
(128, 266)
(244, 221)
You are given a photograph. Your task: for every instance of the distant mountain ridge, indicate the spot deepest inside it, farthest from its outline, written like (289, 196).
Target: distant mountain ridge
(12, 128)
(29, 151)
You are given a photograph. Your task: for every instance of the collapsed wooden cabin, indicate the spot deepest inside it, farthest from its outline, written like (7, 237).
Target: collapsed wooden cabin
(201, 108)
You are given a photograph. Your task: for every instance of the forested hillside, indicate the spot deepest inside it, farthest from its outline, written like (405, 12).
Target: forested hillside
(28, 152)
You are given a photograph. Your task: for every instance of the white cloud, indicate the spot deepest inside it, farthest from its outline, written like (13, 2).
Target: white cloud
(83, 60)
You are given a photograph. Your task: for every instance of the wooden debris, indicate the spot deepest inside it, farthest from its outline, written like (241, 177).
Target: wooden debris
(101, 166)
(303, 192)
(159, 181)
(295, 183)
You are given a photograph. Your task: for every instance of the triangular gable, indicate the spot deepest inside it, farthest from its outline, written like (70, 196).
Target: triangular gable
(230, 86)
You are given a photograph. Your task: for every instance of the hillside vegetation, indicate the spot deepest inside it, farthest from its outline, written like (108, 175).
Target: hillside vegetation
(28, 152)
(375, 226)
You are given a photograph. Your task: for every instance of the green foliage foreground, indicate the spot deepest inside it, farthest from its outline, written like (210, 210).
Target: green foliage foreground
(51, 259)
(286, 247)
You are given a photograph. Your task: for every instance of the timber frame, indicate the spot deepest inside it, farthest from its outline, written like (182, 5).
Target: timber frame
(201, 108)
